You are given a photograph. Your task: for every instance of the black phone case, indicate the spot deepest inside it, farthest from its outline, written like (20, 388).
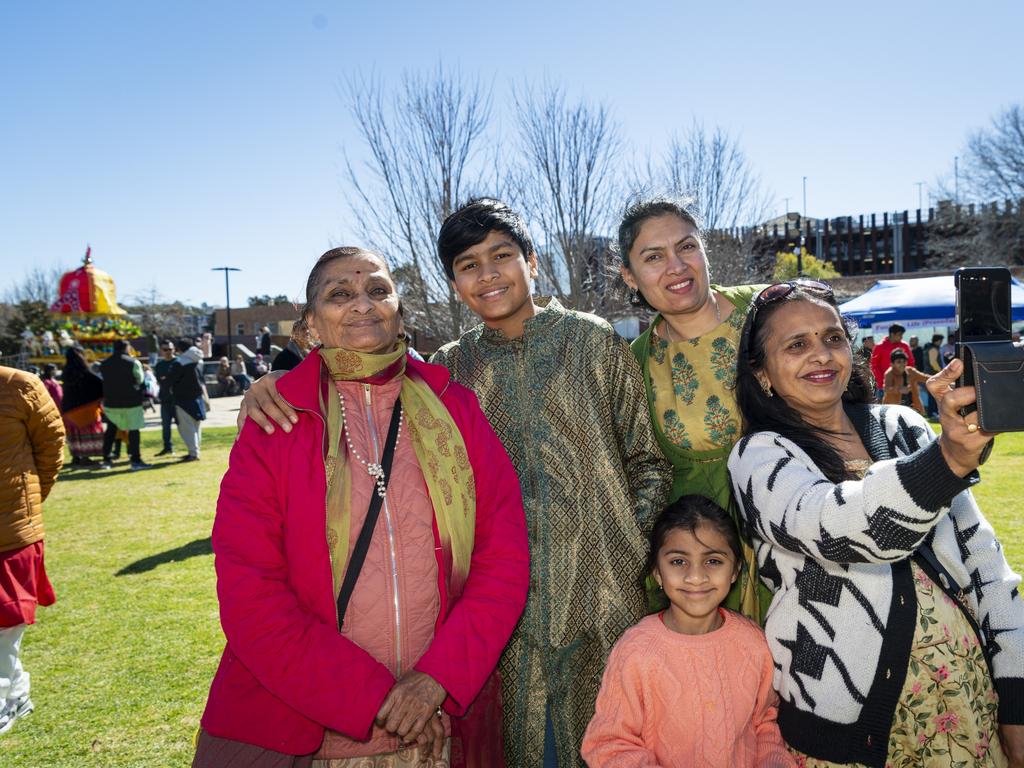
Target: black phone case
(998, 368)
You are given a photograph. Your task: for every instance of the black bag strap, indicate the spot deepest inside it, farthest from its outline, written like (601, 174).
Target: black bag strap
(355, 563)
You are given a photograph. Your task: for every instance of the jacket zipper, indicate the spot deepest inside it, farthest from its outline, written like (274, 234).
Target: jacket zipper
(391, 536)
(323, 452)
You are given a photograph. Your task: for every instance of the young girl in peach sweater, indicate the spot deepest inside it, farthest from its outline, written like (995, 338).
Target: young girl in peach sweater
(692, 685)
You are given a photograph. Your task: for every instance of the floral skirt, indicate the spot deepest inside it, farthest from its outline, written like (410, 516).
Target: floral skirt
(946, 713)
(84, 442)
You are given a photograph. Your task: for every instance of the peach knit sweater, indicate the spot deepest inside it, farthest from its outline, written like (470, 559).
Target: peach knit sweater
(669, 699)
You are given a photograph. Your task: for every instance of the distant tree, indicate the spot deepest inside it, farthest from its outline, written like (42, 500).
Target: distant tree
(731, 258)
(425, 142)
(16, 317)
(785, 267)
(992, 164)
(710, 167)
(39, 284)
(266, 300)
(155, 314)
(26, 304)
(565, 183)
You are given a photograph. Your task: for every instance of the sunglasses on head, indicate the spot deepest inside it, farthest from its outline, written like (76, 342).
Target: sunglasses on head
(778, 291)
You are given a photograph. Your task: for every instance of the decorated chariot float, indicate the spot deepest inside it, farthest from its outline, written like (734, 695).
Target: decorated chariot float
(85, 313)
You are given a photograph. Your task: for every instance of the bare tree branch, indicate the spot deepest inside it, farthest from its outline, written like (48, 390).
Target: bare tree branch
(423, 142)
(992, 162)
(711, 168)
(566, 186)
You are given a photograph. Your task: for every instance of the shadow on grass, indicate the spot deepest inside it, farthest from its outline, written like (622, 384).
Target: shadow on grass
(70, 474)
(184, 552)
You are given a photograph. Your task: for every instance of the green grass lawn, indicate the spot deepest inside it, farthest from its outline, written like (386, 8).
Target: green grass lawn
(122, 663)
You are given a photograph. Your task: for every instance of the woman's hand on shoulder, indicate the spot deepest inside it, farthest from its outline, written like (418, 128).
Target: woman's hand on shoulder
(961, 447)
(263, 404)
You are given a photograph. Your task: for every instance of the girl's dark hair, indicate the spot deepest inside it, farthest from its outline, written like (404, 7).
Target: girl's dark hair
(472, 223)
(49, 371)
(762, 413)
(638, 212)
(300, 330)
(687, 513)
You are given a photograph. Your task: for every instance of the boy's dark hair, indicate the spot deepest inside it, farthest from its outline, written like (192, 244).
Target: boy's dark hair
(472, 223)
(687, 513)
(762, 412)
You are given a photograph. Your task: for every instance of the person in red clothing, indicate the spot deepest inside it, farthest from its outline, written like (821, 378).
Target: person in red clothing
(31, 455)
(880, 355)
(401, 674)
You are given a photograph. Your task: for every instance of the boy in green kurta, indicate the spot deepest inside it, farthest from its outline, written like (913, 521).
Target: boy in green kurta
(566, 396)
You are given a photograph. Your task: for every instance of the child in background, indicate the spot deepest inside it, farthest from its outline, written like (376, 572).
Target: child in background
(691, 685)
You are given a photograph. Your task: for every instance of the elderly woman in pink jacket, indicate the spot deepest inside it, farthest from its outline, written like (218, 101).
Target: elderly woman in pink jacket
(371, 561)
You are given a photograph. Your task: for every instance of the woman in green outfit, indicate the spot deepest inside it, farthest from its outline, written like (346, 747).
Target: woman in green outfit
(688, 357)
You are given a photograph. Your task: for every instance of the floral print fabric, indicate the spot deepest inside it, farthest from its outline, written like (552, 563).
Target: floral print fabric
(692, 382)
(946, 714)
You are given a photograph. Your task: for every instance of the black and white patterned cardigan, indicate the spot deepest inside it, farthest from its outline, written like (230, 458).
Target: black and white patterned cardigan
(838, 558)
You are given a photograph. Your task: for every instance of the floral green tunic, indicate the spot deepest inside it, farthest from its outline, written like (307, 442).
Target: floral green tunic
(692, 404)
(692, 382)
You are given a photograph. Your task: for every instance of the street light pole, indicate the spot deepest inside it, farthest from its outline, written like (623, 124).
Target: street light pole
(956, 180)
(803, 229)
(227, 298)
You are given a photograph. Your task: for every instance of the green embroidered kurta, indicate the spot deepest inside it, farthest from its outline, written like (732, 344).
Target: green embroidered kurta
(567, 400)
(703, 470)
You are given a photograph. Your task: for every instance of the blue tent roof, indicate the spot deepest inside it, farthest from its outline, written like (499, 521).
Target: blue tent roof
(918, 302)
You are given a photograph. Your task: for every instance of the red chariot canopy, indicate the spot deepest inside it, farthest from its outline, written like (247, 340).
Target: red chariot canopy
(87, 291)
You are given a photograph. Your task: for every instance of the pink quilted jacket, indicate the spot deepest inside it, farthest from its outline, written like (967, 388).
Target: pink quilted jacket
(286, 674)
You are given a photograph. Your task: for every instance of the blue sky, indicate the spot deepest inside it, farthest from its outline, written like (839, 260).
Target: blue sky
(175, 137)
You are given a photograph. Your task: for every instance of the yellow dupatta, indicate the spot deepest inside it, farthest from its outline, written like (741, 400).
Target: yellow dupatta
(439, 447)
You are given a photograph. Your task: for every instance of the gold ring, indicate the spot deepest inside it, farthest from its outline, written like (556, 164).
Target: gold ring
(972, 428)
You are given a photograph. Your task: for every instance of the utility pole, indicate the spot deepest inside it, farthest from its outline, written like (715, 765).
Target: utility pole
(920, 184)
(787, 206)
(956, 179)
(803, 225)
(227, 299)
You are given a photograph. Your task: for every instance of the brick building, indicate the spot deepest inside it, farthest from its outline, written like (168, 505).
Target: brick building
(246, 323)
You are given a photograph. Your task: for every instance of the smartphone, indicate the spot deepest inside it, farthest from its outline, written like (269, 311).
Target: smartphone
(982, 311)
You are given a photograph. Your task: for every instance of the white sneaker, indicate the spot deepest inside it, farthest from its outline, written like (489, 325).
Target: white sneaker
(14, 709)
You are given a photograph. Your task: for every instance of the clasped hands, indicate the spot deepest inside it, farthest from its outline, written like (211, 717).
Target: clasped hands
(410, 711)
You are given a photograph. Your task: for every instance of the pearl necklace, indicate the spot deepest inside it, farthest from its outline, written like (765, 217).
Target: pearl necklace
(375, 471)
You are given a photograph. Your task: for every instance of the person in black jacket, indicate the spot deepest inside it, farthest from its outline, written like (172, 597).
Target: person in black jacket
(189, 392)
(123, 393)
(161, 371)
